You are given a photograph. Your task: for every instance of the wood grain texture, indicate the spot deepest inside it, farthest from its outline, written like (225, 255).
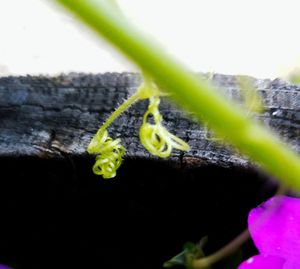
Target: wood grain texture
(51, 117)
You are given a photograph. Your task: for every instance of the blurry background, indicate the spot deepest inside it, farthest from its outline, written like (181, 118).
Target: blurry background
(257, 37)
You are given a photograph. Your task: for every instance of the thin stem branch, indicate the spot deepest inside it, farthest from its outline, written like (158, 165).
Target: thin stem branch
(100, 137)
(124, 106)
(237, 242)
(222, 253)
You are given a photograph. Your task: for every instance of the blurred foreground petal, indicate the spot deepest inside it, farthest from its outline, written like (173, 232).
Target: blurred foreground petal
(263, 262)
(275, 229)
(277, 232)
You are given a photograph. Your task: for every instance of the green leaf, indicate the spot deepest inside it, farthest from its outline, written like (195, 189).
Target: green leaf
(190, 251)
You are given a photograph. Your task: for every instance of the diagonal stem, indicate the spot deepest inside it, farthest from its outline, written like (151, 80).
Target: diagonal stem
(191, 92)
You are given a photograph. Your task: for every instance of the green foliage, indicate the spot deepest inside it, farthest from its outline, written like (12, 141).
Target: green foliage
(189, 253)
(227, 119)
(294, 76)
(196, 95)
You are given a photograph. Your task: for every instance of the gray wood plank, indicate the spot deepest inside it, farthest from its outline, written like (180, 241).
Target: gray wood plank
(53, 116)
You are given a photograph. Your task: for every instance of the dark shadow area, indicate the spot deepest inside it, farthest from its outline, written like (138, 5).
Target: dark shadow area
(57, 214)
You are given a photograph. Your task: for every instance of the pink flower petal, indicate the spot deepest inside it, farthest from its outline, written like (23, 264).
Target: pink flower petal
(292, 265)
(275, 228)
(263, 262)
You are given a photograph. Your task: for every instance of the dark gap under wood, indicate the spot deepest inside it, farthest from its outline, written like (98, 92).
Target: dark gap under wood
(58, 214)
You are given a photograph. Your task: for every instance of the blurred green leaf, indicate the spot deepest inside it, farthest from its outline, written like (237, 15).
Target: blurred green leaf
(190, 251)
(253, 101)
(294, 77)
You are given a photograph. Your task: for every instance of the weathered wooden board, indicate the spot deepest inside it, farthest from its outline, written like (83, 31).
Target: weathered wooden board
(53, 116)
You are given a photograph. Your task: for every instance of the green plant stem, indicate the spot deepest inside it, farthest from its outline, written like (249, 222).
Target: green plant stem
(227, 250)
(190, 91)
(100, 137)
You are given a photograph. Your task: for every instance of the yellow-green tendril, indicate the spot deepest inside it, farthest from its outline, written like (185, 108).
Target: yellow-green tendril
(110, 153)
(253, 102)
(155, 137)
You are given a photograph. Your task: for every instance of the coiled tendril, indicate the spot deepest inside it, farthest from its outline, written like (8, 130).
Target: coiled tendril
(110, 153)
(155, 137)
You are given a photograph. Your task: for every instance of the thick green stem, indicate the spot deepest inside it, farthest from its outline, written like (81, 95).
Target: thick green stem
(193, 93)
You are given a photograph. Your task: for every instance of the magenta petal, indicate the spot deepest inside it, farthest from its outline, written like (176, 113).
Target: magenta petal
(275, 227)
(263, 262)
(291, 264)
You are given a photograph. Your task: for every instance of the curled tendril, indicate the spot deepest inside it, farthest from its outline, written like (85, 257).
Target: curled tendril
(155, 137)
(109, 156)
